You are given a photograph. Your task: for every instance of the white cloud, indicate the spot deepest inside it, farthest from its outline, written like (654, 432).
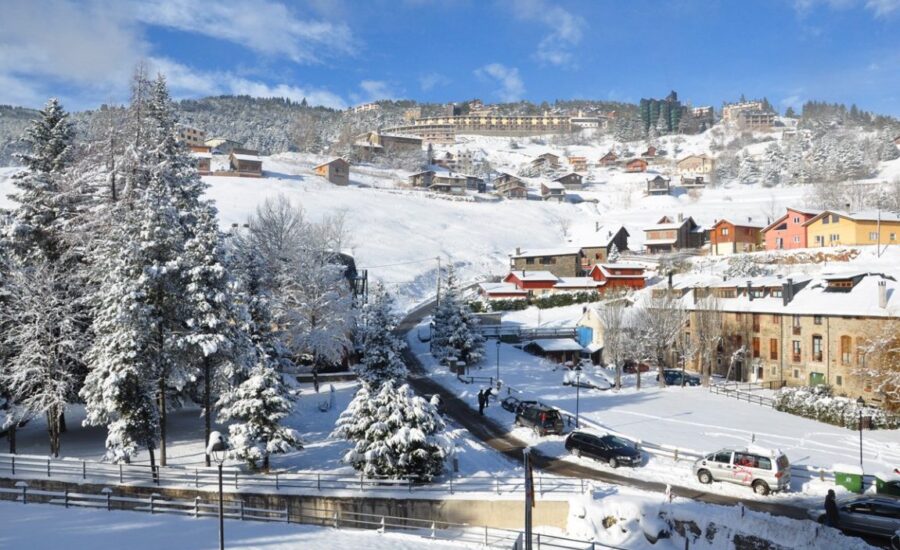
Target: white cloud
(431, 81)
(879, 8)
(883, 8)
(566, 29)
(185, 81)
(266, 27)
(377, 89)
(511, 86)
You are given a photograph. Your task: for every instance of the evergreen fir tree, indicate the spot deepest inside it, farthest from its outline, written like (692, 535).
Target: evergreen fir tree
(259, 405)
(395, 433)
(454, 326)
(748, 171)
(382, 358)
(773, 165)
(613, 256)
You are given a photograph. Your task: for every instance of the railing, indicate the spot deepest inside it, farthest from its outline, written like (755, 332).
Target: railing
(467, 379)
(499, 331)
(154, 504)
(742, 395)
(31, 467)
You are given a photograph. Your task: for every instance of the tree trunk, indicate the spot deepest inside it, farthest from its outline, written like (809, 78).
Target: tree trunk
(207, 422)
(638, 365)
(265, 464)
(62, 423)
(618, 375)
(162, 421)
(11, 435)
(660, 374)
(152, 462)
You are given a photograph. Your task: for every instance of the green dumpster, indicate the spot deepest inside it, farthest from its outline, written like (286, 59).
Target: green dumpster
(849, 477)
(887, 484)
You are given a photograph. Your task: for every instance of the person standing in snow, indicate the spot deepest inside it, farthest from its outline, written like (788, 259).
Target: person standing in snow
(481, 400)
(831, 509)
(487, 396)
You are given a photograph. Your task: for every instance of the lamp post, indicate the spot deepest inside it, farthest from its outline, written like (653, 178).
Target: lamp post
(860, 403)
(498, 363)
(217, 449)
(577, 393)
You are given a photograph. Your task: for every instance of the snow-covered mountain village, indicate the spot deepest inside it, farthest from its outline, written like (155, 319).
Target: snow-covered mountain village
(246, 315)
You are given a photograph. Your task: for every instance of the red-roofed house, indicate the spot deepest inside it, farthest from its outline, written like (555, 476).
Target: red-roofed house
(789, 230)
(636, 165)
(608, 159)
(619, 275)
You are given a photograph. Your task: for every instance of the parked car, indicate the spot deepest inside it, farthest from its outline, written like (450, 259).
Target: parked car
(522, 405)
(877, 515)
(543, 420)
(510, 403)
(763, 470)
(674, 377)
(612, 449)
(585, 380)
(631, 367)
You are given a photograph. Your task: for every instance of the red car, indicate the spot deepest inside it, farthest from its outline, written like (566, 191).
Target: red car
(631, 367)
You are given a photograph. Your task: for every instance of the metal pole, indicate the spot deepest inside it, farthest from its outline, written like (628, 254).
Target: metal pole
(529, 496)
(498, 362)
(438, 295)
(577, 397)
(221, 512)
(860, 441)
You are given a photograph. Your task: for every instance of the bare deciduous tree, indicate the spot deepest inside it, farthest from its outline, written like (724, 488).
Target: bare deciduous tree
(659, 322)
(707, 329)
(612, 316)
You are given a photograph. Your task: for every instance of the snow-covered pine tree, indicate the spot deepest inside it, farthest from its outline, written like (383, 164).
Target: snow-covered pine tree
(41, 206)
(395, 433)
(382, 358)
(773, 165)
(613, 255)
(454, 326)
(748, 172)
(43, 334)
(258, 406)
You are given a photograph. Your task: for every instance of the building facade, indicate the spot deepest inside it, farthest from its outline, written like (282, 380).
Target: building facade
(788, 231)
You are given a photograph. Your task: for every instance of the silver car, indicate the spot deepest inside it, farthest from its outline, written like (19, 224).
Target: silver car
(870, 515)
(763, 471)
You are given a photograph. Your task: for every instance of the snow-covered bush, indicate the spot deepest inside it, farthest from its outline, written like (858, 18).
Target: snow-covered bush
(396, 434)
(817, 402)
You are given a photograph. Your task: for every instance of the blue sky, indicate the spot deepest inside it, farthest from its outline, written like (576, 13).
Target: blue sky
(342, 52)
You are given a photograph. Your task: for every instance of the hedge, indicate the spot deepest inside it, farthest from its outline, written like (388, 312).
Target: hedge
(819, 403)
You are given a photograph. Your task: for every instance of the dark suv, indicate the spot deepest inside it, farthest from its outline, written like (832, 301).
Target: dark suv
(543, 420)
(614, 450)
(673, 377)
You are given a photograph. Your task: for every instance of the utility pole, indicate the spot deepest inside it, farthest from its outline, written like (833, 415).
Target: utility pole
(438, 294)
(529, 497)
(878, 229)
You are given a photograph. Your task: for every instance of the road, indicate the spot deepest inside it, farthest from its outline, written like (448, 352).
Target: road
(499, 438)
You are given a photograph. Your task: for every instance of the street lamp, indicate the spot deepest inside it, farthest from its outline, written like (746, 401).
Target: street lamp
(577, 393)
(498, 363)
(217, 449)
(860, 403)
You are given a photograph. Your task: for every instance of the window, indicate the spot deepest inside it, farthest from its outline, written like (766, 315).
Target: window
(893, 236)
(838, 380)
(834, 237)
(795, 320)
(845, 350)
(873, 236)
(820, 240)
(724, 231)
(796, 239)
(796, 219)
(775, 318)
(529, 261)
(825, 220)
(773, 349)
(755, 343)
(835, 218)
(795, 349)
(817, 319)
(738, 317)
(816, 348)
(796, 373)
(755, 322)
(860, 352)
(723, 457)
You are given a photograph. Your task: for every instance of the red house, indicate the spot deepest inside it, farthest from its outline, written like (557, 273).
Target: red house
(619, 275)
(789, 230)
(608, 159)
(650, 152)
(534, 282)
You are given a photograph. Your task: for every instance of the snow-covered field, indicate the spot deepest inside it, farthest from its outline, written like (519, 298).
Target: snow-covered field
(46, 527)
(690, 419)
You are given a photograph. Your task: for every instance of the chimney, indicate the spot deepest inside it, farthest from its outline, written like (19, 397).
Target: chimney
(234, 226)
(787, 292)
(518, 251)
(596, 226)
(749, 291)
(749, 219)
(680, 217)
(882, 294)
(670, 280)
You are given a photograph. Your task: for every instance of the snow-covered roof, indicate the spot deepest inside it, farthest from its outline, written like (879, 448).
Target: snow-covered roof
(554, 185)
(534, 275)
(540, 252)
(331, 161)
(863, 216)
(751, 222)
(576, 282)
(593, 236)
(667, 225)
(816, 298)
(201, 155)
(244, 156)
(567, 175)
(501, 288)
(556, 344)
(604, 269)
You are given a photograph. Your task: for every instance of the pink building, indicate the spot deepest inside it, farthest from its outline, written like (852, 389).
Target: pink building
(788, 231)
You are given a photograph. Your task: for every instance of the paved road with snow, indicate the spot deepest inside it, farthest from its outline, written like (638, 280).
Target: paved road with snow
(500, 439)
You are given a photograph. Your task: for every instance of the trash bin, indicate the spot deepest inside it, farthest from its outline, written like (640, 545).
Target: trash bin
(887, 483)
(849, 477)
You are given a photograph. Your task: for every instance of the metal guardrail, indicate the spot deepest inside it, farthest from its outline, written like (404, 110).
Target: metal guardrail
(500, 331)
(741, 395)
(31, 467)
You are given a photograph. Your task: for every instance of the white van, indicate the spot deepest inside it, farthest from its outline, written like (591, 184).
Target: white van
(764, 470)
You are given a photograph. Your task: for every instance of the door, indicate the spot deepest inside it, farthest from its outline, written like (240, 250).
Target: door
(779, 243)
(742, 468)
(816, 378)
(720, 466)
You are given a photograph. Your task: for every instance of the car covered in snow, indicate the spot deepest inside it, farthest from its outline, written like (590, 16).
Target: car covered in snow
(542, 419)
(762, 469)
(612, 449)
(584, 380)
(674, 377)
(877, 515)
